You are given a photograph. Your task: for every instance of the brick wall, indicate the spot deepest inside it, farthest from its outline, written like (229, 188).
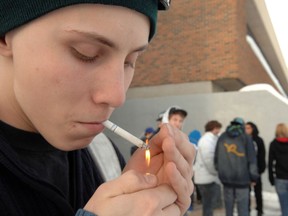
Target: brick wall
(200, 40)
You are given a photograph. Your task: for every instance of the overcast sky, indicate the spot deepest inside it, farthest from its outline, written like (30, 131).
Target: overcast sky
(278, 10)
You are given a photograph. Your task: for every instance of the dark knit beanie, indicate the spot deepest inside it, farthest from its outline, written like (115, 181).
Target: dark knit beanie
(14, 13)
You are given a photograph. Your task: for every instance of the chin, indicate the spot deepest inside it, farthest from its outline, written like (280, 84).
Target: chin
(74, 145)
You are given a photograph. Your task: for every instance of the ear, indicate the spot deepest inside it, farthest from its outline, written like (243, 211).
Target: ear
(5, 46)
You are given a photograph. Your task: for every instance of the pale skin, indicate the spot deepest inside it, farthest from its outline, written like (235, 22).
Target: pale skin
(176, 120)
(216, 131)
(63, 74)
(248, 129)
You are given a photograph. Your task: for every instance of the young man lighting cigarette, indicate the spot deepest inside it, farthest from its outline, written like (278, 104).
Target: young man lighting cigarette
(65, 65)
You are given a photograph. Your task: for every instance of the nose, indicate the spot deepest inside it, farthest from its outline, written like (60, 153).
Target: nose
(110, 85)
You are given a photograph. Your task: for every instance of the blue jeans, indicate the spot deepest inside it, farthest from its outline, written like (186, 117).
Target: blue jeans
(281, 186)
(209, 196)
(238, 195)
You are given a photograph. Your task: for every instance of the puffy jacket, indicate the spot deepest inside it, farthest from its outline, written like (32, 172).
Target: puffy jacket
(204, 169)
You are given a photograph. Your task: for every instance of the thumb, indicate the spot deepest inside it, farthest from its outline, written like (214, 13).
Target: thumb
(129, 182)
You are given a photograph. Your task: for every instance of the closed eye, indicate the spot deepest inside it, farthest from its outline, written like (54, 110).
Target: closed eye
(83, 57)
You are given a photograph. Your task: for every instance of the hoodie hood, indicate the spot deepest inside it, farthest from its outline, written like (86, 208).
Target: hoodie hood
(165, 117)
(235, 130)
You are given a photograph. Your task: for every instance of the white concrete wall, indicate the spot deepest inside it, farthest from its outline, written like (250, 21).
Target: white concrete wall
(261, 107)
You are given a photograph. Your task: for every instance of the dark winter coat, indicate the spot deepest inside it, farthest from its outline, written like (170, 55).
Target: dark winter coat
(260, 148)
(27, 190)
(278, 159)
(235, 158)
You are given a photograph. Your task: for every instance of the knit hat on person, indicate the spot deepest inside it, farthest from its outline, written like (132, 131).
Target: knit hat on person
(194, 137)
(238, 121)
(19, 12)
(149, 130)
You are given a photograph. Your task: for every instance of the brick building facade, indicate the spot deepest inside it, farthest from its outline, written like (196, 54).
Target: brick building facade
(201, 41)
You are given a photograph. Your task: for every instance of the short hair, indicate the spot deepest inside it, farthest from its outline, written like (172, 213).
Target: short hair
(211, 125)
(281, 130)
(177, 111)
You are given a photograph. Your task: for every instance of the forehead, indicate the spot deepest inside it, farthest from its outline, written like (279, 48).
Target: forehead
(115, 22)
(176, 116)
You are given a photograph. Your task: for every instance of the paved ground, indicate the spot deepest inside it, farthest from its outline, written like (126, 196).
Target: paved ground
(270, 201)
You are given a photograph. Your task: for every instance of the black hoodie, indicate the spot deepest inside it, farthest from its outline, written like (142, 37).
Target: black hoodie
(278, 159)
(25, 189)
(261, 152)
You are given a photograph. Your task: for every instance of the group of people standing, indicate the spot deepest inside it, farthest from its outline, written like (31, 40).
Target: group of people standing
(236, 159)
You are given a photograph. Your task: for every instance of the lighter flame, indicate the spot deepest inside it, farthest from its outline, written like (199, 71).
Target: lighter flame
(147, 154)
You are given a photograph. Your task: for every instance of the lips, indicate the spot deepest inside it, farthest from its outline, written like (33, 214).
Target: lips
(94, 127)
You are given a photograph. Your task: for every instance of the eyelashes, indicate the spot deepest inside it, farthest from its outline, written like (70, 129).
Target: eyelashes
(91, 59)
(82, 57)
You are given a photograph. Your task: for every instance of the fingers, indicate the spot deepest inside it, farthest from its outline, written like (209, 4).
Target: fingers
(158, 201)
(152, 201)
(170, 135)
(159, 197)
(181, 186)
(173, 154)
(127, 183)
(171, 210)
(179, 155)
(131, 181)
(176, 148)
(155, 201)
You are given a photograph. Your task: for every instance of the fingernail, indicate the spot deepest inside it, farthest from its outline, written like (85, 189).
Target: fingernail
(150, 178)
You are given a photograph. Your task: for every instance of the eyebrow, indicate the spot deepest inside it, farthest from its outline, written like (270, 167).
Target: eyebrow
(96, 37)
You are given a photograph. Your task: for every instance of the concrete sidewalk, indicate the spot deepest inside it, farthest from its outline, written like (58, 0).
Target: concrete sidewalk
(270, 203)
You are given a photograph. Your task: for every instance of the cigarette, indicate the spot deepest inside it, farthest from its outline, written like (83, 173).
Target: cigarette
(125, 134)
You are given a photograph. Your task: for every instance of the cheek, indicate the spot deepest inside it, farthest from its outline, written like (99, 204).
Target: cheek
(41, 67)
(248, 130)
(37, 80)
(34, 67)
(46, 74)
(45, 90)
(174, 122)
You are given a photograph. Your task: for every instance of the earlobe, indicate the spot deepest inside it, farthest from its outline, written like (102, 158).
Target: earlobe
(5, 47)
